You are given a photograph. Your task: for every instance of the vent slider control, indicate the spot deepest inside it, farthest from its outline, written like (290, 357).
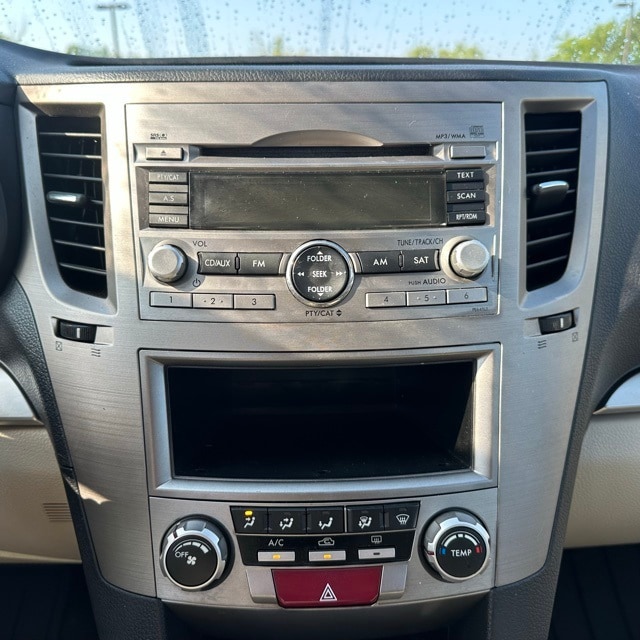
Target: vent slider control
(549, 194)
(69, 199)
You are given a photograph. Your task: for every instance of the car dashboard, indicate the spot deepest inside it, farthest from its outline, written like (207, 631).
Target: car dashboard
(314, 346)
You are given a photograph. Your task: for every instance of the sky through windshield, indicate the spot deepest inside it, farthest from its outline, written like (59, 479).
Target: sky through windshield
(500, 29)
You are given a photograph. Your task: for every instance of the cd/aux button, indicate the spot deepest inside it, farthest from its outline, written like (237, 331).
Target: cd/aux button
(216, 263)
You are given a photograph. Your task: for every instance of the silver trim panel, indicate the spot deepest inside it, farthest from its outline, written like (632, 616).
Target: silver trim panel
(98, 389)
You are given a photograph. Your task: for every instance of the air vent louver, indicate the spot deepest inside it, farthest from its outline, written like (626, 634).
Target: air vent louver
(71, 163)
(552, 159)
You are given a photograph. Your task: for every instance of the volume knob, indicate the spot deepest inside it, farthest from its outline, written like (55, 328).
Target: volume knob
(469, 258)
(167, 263)
(194, 554)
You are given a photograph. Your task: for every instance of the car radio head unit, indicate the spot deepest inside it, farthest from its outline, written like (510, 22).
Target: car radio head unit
(367, 212)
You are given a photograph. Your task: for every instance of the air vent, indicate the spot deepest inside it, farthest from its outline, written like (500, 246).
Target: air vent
(553, 155)
(71, 163)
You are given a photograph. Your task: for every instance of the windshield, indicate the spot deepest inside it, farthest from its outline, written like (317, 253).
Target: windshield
(560, 30)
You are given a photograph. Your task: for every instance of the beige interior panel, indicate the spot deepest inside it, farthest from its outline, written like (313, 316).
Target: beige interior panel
(606, 500)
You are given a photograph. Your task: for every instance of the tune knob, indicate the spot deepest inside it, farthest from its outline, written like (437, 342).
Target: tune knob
(456, 545)
(167, 263)
(194, 554)
(469, 258)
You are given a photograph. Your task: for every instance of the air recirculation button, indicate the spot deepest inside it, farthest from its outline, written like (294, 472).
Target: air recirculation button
(194, 554)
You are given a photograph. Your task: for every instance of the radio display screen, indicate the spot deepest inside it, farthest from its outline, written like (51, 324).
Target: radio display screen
(317, 200)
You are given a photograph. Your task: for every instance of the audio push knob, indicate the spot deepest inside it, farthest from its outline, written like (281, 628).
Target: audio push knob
(167, 263)
(194, 554)
(469, 258)
(456, 545)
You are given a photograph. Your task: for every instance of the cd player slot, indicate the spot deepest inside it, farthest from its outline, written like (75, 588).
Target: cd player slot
(318, 151)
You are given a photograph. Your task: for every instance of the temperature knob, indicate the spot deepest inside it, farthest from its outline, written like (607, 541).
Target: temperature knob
(194, 554)
(469, 258)
(167, 263)
(456, 545)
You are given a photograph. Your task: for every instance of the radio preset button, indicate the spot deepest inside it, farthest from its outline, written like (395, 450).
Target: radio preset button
(216, 263)
(461, 296)
(259, 264)
(379, 261)
(259, 301)
(427, 260)
(166, 299)
(389, 299)
(320, 273)
(426, 298)
(213, 301)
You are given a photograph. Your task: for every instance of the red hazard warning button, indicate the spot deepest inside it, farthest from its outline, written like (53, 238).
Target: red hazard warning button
(327, 587)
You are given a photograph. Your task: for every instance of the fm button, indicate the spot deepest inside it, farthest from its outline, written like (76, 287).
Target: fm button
(320, 273)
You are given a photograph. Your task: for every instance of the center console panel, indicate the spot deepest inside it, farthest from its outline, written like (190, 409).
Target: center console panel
(319, 378)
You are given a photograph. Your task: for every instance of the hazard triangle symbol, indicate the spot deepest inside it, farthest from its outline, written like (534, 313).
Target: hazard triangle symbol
(328, 594)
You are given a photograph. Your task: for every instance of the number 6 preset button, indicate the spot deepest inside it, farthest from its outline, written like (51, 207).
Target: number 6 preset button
(460, 296)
